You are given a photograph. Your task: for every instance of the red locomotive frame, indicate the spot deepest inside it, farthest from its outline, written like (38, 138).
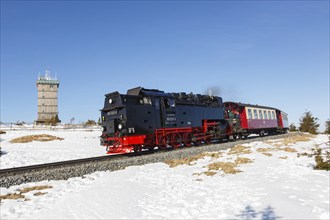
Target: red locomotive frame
(164, 138)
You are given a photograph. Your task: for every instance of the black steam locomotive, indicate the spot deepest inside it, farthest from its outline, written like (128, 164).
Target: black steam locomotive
(146, 118)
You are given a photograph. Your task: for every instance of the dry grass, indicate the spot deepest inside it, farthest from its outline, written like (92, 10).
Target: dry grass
(187, 161)
(19, 194)
(242, 160)
(267, 154)
(12, 196)
(226, 167)
(289, 149)
(212, 154)
(29, 189)
(266, 149)
(209, 173)
(38, 137)
(240, 149)
(291, 140)
(284, 158)
(269, 142)
(190, 160)
(2, 132)
(39, 193)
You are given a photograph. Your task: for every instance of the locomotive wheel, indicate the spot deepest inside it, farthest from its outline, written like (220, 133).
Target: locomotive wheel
(197, 143)
(137, 148)
(164, 142)
(187, 139)
(207, 140)
(176, 140)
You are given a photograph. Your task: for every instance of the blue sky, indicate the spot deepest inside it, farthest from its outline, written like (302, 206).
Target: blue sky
(273, 53)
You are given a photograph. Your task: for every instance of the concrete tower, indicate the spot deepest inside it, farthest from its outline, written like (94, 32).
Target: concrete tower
(47, 99)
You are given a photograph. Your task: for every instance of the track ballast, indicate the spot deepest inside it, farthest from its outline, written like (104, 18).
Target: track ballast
(76, 168)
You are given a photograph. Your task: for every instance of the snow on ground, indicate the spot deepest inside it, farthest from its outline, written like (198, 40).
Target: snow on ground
(77, 143)
(280, 186)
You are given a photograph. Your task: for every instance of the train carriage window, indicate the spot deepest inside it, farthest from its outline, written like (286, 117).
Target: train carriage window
(249, 113)
(255, 112)
(260, 114)
(273, 115)
(265, 114)
(269, 117)
(285, 117)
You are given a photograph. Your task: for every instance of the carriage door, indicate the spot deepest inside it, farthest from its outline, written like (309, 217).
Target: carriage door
(279, 119)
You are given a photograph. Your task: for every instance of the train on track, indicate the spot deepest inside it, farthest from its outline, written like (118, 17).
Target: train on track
(148, 118)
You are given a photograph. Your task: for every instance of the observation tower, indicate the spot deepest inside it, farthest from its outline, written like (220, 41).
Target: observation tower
(47, 99)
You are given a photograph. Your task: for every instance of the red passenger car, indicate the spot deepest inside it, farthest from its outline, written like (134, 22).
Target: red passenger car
(246, 119)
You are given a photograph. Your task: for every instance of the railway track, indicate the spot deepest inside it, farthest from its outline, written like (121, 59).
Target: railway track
(17, 170)
(76, 168)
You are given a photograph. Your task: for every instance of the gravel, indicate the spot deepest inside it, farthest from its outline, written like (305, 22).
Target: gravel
(115, 163)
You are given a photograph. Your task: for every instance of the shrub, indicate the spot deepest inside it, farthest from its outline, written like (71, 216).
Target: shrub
(308, 123)
(321, 157)
(90, 123)
(327, 127)
(53, 121)
(292, 127)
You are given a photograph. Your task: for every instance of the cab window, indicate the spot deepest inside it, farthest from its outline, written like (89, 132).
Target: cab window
(169, 103)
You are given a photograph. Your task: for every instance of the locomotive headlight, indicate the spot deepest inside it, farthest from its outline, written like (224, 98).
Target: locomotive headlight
(120, 126)
(110, 101)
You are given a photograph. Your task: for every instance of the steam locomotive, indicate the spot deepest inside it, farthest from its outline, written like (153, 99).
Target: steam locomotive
(143, 119)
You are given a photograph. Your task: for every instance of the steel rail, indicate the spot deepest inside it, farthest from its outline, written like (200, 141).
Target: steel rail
(55, 164)
(48, 171)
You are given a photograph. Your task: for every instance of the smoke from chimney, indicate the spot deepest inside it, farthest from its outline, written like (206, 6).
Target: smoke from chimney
(213, 91)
